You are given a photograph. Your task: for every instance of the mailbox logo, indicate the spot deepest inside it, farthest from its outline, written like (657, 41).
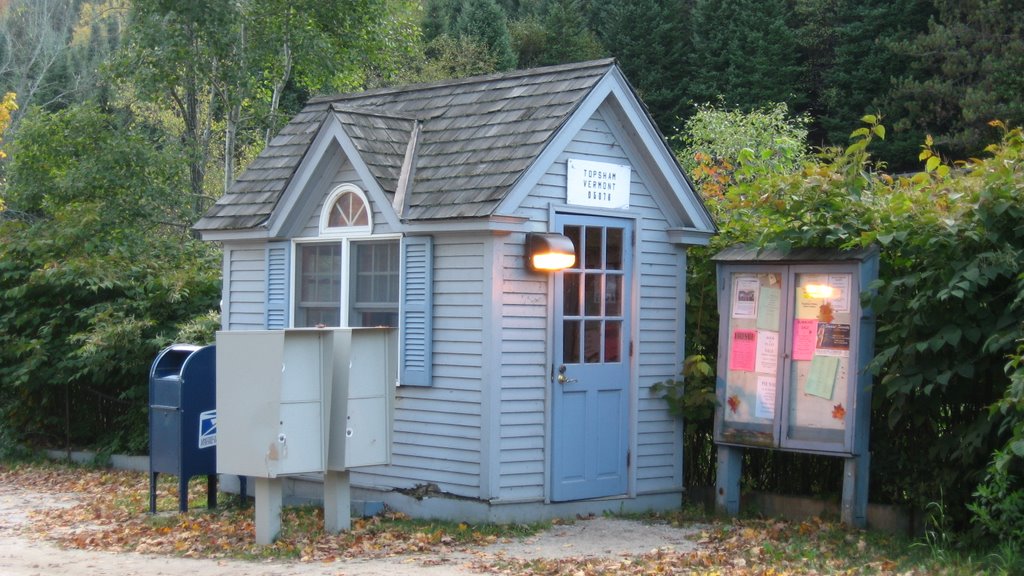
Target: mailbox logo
(207, 429)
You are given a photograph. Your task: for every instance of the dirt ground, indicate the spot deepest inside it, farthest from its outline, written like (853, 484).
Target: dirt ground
(21, 554)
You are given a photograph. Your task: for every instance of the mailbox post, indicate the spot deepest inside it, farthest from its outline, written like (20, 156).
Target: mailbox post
(302, 401)
(794, 342)
(183, 420)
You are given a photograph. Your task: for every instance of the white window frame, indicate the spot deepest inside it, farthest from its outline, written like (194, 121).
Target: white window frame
(327, 231)
(346, 236)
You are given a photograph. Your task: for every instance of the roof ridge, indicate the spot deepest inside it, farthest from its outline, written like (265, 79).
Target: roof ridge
(523, 73)
(364, 111)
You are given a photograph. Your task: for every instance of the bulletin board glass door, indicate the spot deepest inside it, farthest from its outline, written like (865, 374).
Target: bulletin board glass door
(821, 359)
(753, 338)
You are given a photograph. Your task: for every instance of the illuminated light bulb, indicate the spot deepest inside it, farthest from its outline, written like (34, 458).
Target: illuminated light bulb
(553, 261)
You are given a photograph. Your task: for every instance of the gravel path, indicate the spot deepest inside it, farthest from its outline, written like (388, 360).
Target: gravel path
(23, 555)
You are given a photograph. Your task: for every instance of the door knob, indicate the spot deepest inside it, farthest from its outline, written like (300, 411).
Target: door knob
(562, 379)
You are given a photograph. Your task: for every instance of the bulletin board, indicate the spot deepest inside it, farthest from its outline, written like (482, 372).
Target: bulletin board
(752, 350)
(792, 351)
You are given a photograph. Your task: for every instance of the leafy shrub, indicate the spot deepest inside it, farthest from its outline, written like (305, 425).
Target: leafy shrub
(97, 271)
(949, 301)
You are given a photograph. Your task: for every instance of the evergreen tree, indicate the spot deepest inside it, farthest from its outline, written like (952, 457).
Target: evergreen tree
(486, 21)
(650, 40)
(859, 71)
(567, 32)
(745, 52)
(966, 70)
(439, 18)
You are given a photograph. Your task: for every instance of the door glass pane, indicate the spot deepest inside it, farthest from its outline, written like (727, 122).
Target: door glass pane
(613, 295)
(592, 294)
(592, 341)
(571, 341)
(612, 341)
(573, 233)
(571, 294)
(613, 249)
(593, 254)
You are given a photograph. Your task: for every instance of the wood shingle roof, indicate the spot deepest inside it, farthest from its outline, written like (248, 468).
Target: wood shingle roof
(471, 141)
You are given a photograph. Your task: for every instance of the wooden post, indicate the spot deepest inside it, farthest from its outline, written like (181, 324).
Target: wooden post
(855, 491)
(727, 482)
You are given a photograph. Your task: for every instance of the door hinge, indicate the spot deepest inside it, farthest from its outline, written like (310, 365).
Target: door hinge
(629, 455)
(630, 348)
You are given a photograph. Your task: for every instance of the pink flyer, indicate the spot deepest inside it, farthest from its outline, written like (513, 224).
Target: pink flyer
(805, 336)
(744, 350)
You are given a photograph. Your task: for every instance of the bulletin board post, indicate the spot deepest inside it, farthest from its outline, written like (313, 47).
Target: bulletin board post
(794, 343)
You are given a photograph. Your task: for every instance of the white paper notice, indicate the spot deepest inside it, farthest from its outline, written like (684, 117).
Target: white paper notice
(767, 359)
(765, 405)
(840, 284)
(744, 297)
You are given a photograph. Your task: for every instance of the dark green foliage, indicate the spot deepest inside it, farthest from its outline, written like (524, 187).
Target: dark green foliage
(486, 21)
(554, 32)
(569, 38)
(440, 18)
(851, 66)
(998, 504)
(745, 53)
(963, 72)
(650, 39)
(97, 272)
(949, 306)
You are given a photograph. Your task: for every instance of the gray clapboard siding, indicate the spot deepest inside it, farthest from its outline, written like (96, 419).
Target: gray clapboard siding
(245, 288)
(659, 321)
(524, 354)
(438, 428)
(658, 328)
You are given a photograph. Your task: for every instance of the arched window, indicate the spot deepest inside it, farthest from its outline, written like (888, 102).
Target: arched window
(347, 276)
(345, 212)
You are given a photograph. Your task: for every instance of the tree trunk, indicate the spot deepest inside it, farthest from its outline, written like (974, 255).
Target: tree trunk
(275, 99)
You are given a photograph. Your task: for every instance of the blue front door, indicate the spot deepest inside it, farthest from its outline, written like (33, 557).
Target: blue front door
(591, 372)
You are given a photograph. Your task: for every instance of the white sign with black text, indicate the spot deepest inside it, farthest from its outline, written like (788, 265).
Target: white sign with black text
(598, 184)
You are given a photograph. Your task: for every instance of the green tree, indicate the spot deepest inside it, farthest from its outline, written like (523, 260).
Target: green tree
(745, 53)
(449, 57)
(724, 152)
(651, 40)
(486, 21)
(228, 65)
(181, 53)
(440, 17)
(97, 272)
(851, 66)
(568, 35)
(964, 71)
(38, 53)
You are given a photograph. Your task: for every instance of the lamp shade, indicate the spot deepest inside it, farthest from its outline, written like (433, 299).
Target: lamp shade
(549, 252)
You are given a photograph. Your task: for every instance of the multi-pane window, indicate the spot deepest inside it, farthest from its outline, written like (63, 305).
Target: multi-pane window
(318, 275)
(351, 281)
(373, 284)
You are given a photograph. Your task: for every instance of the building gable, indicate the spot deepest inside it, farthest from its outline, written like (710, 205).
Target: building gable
(634, 130)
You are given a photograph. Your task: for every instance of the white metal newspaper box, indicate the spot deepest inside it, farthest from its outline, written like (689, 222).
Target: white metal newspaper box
(304, 401)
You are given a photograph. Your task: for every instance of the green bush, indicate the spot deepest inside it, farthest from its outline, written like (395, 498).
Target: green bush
(98, 271)
(949, 301)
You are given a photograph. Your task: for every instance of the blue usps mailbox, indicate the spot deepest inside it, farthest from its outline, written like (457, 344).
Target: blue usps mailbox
(183, 419)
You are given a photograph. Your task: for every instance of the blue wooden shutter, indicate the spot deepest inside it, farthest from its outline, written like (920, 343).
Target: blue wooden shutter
(416, 312)
(278, 283)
